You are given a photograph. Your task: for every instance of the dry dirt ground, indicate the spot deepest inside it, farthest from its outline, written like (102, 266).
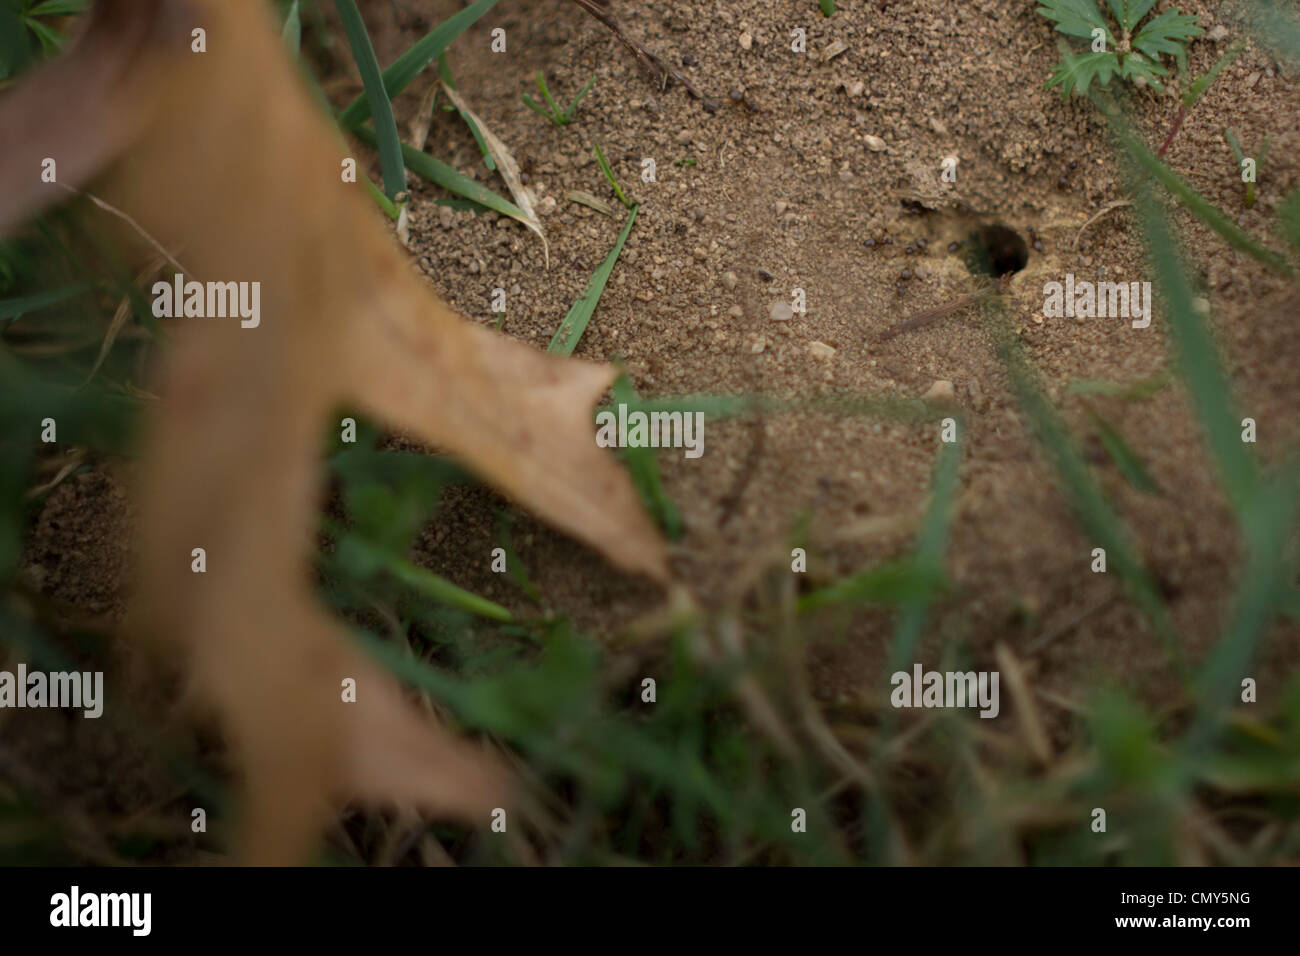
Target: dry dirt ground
(781, 188)
(784, 191)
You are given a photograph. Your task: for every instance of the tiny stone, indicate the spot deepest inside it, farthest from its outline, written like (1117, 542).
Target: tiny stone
(700, 253)
(940, 391)
(875, 143)
(684, 137)
(736, 312)
(856, 88)
(729, 280)
(446, 218)
(781, 311)
(746, 41)
(835, 49)
(781, 207)
(821, 351)
(546, 205)
(1218, 34)
(905, 274)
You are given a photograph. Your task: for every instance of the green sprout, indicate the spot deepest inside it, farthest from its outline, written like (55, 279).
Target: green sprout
(553, 112)
(1119, 47)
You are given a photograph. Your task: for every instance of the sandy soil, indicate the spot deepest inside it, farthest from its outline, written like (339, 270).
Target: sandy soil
(782, 189)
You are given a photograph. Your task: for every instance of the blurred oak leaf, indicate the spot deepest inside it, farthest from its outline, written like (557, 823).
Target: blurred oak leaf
(225, 153)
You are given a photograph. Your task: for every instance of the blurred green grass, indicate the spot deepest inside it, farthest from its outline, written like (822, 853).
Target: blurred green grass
(695, 776)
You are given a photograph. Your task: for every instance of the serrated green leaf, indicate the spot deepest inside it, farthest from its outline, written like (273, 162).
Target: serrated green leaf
(1076, 18)
(1167, 33)
(1130, 12)
(1077, 71)
(1136, 65)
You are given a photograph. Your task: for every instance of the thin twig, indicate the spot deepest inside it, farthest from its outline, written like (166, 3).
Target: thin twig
(107, 207)
(1109, 207)
(931, 315)
(652, 61)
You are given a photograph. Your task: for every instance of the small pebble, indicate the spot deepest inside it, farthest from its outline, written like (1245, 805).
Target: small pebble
(781, 207)
(821, 351)
(729, 281)
(684, 137)
(746, 41)
(736, 312)
(781, 311)
(875, 143)
(940, 391)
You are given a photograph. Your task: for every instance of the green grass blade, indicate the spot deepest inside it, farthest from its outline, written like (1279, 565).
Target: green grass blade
(58, 8)
(1125, 458)
(424, 581)
(409, 65)
(1262, 595)
(1099, 520)
(435, 171)
(445, 72)
(573, 107)
(390, 147)
(609, 174)
(13, 309)
(644, 468)
(1198, 359)
(828, 8)
(931, 543)
(570, 331)
(1204, 82)
(533, 105)
(292, 33)
(894, 582)
(1208, 213)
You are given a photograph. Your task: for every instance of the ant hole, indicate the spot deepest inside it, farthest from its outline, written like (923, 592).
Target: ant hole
(996, 251)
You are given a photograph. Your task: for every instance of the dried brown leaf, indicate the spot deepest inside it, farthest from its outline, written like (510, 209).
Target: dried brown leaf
(231, 156)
